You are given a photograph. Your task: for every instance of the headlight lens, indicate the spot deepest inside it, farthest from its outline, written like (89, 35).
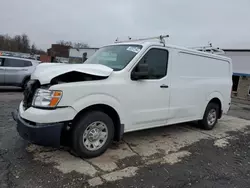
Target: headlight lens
(46, 98)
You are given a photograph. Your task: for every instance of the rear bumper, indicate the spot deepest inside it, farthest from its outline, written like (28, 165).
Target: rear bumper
(41, 134)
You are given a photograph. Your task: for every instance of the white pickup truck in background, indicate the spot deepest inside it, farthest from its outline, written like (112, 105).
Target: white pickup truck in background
(123, 87)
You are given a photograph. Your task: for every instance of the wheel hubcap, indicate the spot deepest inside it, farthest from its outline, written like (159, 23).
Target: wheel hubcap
(211, 118)
(95, 135)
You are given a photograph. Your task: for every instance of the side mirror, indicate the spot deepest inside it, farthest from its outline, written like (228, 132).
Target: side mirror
(140, 72)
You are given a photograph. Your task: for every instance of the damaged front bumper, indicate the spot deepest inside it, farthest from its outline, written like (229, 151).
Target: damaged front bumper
(41, 134)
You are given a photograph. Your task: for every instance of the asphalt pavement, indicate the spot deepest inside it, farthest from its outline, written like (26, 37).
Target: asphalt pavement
(175, 156)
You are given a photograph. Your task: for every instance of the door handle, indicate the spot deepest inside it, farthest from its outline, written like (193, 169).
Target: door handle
(164, 86)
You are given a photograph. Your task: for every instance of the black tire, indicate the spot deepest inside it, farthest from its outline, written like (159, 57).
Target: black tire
(82, 124)
(204, 123)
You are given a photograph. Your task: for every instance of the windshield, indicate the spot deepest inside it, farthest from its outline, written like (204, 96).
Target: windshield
(116, 57)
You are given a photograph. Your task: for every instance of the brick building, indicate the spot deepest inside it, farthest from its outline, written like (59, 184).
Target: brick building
(241, 72)
(58, 50)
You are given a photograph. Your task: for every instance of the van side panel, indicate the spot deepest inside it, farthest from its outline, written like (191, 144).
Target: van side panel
(197, 77)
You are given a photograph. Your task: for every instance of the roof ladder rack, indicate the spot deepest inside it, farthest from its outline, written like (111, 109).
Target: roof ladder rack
(210, 49)
(161, 38)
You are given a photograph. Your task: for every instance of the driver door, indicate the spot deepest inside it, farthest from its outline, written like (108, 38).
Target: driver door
(150, 96)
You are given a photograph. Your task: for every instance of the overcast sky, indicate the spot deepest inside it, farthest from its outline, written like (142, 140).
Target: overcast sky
(225, 23)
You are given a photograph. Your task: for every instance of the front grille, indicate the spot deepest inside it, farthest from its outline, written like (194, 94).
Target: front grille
(29, 92)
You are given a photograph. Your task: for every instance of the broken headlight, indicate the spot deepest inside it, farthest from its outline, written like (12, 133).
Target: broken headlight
(46, 98)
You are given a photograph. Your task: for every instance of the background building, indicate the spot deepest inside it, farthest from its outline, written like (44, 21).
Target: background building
(241, 72)
(58, 50)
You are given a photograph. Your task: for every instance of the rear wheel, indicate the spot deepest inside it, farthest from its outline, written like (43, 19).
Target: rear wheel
(210, 117)
(92, 134)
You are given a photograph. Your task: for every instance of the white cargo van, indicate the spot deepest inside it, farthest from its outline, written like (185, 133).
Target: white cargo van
(123, 87)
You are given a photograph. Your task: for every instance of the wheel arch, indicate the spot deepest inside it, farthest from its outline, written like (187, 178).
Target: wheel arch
(110, 111)
(216, 98)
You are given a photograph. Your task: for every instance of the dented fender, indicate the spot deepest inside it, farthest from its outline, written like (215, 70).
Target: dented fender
(95, 99)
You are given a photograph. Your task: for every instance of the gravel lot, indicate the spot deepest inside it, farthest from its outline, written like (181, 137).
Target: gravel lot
(176, 156)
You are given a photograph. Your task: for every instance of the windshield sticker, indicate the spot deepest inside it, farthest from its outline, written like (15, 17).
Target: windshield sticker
(133, 49)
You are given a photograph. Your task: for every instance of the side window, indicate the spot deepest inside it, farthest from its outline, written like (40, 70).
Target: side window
(157, 60)
(16, 63)
(27, 63)
(1, 61)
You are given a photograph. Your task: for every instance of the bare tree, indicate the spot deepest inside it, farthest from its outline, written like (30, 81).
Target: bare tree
(64, 43)
(80, 45)
(33, 49)
(18, 43)
(74, 45)
(25, 43)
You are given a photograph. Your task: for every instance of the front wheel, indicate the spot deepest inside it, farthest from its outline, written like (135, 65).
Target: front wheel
(92, 134)
(210, 117)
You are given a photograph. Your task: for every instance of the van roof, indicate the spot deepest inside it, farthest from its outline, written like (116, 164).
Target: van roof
(150, 43)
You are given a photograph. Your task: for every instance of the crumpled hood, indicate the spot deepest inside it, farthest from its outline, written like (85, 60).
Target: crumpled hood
(45, 72)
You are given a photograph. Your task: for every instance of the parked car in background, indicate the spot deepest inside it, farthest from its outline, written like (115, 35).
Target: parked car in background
(16, 71)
